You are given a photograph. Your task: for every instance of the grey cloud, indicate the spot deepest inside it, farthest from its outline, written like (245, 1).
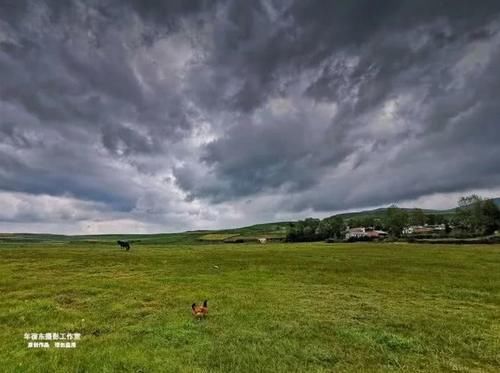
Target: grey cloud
(361, 71)
(204, 104)
(66, 78)
(71, 79)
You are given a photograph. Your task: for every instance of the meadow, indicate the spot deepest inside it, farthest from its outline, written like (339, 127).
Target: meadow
(311, 307)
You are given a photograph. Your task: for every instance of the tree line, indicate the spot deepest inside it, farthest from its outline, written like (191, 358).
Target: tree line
(474, 216)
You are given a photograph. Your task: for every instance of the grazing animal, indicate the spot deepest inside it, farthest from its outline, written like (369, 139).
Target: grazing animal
(124, 245)
(200, 311)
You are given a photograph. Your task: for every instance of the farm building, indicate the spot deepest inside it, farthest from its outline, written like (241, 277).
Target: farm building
(424, 229)
(362, 232)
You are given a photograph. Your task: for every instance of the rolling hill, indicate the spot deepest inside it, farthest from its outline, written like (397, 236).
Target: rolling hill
(269, 230)
(380, 212)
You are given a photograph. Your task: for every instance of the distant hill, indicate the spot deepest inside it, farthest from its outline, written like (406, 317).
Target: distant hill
(380, 212)
(249, 233)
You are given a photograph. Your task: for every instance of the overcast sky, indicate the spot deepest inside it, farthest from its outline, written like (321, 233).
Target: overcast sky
(154, 116)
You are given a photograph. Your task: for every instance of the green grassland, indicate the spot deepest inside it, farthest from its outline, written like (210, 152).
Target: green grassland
(275, 307)
(217, 236)
(250, 233)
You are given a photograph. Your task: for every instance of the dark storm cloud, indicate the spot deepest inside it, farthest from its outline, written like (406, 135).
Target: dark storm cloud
(364, 55)
(329, 104)
(70, 82)
(78, 64)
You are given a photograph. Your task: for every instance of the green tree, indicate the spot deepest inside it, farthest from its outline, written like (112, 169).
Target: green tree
(477, 215)
(354, 222)
(338, 227)
(396, 220)
(417, 217)
(469, 213)
(367, 221)
(325, 229)
(490, 217)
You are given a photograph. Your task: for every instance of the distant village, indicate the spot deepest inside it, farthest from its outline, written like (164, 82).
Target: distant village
(372, 233)
(475, 217)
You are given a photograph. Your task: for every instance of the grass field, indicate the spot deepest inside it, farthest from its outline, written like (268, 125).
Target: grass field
(275, 307)
(217, 236)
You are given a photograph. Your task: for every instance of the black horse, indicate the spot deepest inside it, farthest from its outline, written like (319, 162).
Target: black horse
(124, 245)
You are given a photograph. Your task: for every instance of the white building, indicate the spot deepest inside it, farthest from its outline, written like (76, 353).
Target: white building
(362, 232)
(356, 233)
